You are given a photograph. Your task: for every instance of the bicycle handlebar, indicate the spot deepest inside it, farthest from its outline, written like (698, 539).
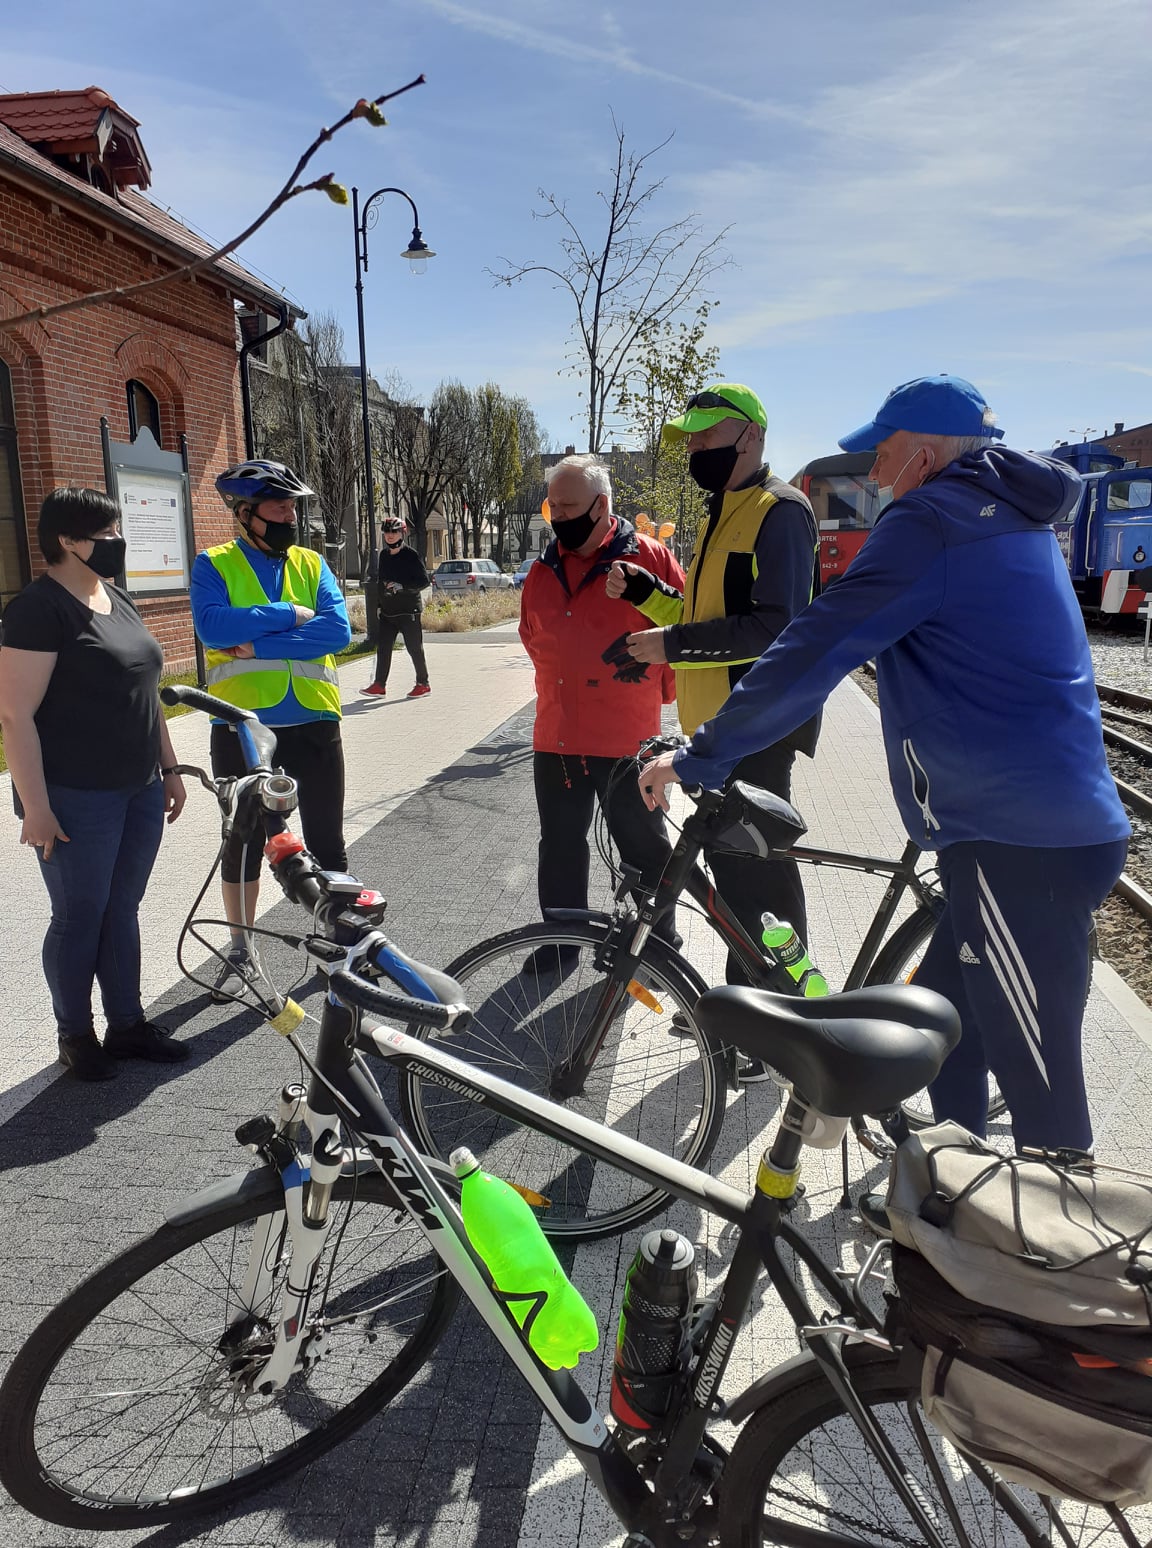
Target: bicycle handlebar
(196, 698)
(382, 1002)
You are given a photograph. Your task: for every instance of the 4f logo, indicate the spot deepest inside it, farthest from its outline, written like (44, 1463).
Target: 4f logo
(395, 1167)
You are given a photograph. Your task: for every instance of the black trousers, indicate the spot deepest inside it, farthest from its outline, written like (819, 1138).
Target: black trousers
(407, 625)
(752, 887)
(566, 788)
(313, 753)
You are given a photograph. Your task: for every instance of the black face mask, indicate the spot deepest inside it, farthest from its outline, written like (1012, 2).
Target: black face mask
(107, 556)
(278, 536)
(573, 534)
(712, 469)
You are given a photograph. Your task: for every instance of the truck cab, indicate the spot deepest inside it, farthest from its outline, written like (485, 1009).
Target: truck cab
(1107, 537)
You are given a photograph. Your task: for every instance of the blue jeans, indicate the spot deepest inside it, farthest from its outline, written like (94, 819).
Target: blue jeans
(96, 882)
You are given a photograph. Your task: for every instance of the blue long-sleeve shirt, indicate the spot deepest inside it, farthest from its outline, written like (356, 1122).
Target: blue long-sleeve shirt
(270, 629)
(989, 710)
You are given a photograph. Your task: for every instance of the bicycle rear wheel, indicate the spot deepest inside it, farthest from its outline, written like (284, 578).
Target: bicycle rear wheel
(897, 964)
(129, 1405)
(801, 1473)
(533, 993)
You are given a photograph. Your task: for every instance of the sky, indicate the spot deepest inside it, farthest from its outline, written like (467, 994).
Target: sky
(908, 187)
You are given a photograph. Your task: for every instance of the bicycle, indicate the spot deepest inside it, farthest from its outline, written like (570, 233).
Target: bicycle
(238, 1342)
(597, 1011)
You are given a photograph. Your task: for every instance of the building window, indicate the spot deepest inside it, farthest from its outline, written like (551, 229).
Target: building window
(13, 532)
(143, 410)
(437, 545)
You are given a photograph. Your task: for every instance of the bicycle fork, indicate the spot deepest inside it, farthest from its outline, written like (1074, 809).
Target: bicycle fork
(301, 1228)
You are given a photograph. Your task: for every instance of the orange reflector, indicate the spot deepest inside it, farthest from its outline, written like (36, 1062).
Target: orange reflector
(537, 1200)
(645, 996)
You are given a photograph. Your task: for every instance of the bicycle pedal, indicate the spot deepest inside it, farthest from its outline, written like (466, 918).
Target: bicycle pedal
(878, 1145)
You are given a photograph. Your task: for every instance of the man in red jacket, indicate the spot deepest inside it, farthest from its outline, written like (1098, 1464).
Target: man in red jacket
(594, 703)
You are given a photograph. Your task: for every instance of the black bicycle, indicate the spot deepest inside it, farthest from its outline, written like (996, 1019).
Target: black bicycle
(280, 1308)
(597, 1011)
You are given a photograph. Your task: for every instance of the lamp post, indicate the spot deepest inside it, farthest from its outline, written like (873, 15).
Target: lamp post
(417, 253)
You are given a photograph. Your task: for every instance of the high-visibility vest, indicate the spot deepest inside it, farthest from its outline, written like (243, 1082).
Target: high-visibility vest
(254, 684)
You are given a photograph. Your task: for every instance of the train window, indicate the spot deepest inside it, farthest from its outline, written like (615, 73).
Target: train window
(1130, 495)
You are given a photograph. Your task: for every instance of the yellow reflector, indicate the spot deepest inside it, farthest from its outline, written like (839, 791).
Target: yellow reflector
(288, 1019)
(645, 996)
(537, 1200)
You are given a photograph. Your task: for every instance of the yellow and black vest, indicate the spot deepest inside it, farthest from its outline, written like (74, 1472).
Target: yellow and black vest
(258, 685)
(719, 584)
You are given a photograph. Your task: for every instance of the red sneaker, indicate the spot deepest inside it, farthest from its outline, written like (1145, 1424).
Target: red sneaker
(377, 690)
(420, 691)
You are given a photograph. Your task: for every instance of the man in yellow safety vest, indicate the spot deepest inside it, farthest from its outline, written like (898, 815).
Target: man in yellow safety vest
(272, 619)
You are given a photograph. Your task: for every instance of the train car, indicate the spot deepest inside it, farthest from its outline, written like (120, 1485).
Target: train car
(1107, 539)
(844, 502)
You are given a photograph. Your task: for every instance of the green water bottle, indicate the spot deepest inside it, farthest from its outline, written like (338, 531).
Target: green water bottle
(555, 1317)
(782, 940)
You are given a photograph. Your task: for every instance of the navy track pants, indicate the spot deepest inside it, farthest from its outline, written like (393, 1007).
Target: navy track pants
(1012, 954)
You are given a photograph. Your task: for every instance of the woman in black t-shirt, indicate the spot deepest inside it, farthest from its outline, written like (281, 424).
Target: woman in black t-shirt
(93, 773)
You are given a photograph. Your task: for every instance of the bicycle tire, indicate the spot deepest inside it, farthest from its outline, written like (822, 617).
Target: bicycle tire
(800, 1470)
(673, 1096)
(145, 1310)
(896, 964)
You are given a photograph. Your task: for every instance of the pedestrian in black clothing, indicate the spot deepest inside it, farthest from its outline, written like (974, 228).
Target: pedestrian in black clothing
(402, 578)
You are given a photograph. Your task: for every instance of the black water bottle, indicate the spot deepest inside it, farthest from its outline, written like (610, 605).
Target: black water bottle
(652, 1341)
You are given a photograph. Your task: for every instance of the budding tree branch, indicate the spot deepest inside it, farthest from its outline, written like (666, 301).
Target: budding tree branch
(369, 110)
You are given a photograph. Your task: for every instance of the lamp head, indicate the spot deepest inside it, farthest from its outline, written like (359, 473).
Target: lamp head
(418, 252)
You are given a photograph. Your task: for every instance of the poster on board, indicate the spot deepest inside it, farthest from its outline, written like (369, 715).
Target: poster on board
(154, 524)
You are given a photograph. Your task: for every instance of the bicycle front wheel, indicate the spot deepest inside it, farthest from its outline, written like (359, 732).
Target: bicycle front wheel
(801, 1473)
(131, 1401)
(897, 964)
(534, 994)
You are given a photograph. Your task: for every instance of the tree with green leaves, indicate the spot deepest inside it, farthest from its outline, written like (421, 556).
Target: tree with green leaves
(624, 279)
(490, 467)
(672, 361)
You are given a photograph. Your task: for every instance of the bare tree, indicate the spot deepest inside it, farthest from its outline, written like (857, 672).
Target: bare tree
(623, 281)
(424, 448)
(306, 412)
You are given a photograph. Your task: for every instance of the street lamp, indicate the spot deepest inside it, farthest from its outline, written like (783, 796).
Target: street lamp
(417, 253)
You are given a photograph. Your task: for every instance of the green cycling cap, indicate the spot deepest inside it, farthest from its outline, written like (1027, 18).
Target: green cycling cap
(724, 400)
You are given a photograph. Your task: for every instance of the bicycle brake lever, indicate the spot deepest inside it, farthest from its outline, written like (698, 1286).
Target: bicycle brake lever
(205, 779)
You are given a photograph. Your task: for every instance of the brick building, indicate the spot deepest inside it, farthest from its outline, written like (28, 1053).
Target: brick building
(1134, 445)
(74, 220)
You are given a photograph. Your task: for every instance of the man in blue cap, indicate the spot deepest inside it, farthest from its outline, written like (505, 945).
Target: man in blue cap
(992, 733)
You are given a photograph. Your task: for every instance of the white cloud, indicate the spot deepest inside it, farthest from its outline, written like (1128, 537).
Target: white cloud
(976, 162)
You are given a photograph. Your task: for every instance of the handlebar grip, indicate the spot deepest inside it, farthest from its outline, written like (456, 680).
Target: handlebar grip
(382, 1002)
(196, 698)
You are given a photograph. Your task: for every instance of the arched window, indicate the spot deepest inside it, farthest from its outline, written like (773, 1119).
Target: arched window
(13, 532)
(143, 409)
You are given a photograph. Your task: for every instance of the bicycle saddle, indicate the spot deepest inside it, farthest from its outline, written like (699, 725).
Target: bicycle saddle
(862, 1052)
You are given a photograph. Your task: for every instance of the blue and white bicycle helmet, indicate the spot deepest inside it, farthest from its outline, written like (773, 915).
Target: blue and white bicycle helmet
(250, 482)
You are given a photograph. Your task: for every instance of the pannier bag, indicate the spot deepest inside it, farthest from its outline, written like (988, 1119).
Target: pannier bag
(1026, 1289)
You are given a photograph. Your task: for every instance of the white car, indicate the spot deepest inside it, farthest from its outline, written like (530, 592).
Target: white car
(464, 576)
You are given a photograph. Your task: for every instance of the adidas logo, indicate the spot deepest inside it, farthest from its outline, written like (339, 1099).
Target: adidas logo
(968, 955)
(987, 511)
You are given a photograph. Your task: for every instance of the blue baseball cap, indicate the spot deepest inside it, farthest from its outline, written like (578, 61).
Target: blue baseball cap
(931, 405)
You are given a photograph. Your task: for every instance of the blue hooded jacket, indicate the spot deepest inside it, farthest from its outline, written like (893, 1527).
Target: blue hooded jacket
(987, 697)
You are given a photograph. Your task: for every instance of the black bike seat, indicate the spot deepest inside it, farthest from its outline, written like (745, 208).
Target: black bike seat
(862, 1052)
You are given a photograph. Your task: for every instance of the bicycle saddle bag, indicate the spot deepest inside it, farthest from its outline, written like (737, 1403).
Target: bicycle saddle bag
(755, 822)
(1025, 1289)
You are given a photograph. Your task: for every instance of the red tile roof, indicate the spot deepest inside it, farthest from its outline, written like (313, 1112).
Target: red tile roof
(154, 226)
(57, 116)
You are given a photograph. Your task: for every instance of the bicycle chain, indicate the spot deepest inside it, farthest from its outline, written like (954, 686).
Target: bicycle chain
(869, 1529)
